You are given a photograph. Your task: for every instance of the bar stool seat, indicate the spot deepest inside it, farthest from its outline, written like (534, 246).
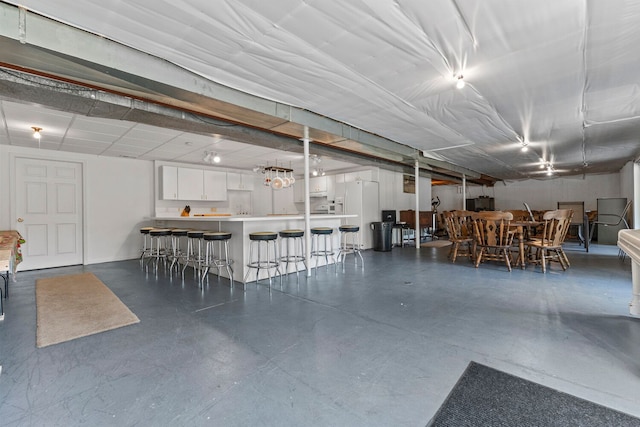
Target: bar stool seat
(220, 258)
(260, 258)
(324, 235)
(293, 251)
(349, 243)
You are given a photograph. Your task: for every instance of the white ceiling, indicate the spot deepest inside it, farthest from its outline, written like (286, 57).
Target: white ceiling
(559, 75)
(64, 131)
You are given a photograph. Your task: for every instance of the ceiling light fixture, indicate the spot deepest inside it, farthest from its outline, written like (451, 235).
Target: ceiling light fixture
(211, 157)
(36, 132)
(460, 83)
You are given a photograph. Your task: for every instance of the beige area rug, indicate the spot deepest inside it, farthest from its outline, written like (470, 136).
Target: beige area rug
(435, 244)
(75, 306)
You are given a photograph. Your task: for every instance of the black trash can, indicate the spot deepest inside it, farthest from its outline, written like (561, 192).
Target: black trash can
(382, 232)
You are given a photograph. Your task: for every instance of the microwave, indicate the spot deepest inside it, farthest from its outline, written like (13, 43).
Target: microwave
(325, 208)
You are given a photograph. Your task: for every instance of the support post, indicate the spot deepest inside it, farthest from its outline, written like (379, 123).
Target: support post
(464, 192)
(307, 203)
(417, 186)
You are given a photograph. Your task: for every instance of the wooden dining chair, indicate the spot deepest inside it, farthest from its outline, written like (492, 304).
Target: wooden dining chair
(493, 236)
(459, 227)
(520, 215)
(548, 246)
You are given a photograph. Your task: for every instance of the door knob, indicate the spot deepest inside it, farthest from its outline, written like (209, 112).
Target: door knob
(20, 220)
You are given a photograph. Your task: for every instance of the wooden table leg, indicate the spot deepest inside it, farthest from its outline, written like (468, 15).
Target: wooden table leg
(521, 246)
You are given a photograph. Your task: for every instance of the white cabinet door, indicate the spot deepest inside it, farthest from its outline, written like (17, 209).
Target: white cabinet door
(239, 181)
(169, 183)
(331, 187)
(247, 182)
(318, 184)
(298, 191)
(215, 185)
(363, 175)
(234, 181)
(190, 184)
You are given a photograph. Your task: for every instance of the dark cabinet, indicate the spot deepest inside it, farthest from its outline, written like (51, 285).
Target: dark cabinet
(482, 203)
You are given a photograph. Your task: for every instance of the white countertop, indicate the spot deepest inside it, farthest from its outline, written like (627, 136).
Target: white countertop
(249, 218)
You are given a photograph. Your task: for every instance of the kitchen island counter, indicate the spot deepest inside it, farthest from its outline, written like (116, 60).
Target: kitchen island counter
(240, 226)
(249, 218)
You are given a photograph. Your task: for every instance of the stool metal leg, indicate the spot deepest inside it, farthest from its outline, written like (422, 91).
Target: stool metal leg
(188, 255)
(260, 262)
(350, 245)
(217, 261)
(227, 263)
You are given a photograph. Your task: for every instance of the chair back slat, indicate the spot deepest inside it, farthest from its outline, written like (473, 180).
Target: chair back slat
(491, 228)
(556, 226)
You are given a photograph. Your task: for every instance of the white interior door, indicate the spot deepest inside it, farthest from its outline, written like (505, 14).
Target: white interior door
(48, 212)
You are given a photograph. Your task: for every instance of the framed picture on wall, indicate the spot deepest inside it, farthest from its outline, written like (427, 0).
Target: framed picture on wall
(408, 184)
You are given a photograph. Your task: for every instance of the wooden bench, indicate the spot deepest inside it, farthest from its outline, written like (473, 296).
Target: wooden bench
(10, 257)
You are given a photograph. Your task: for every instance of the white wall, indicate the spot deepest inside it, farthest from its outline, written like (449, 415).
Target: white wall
(118, 196)
(393, 197)
(539, 194)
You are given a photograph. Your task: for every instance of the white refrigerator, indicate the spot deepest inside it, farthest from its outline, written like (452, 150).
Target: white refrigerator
(362, 198)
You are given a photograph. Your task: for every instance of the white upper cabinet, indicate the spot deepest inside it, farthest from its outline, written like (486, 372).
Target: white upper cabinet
(363, 175)
(198, 184)
(331, 187)
(318, 184)
(298, 190)
(169, 183)
(215, 185)
(190, 184)
(240, 181)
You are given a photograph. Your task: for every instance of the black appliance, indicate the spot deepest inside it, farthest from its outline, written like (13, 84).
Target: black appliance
(389, 216)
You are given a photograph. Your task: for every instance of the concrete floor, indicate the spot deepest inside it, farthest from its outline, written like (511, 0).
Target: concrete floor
(381, 346)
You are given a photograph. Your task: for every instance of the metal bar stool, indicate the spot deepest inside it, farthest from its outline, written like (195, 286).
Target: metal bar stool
(158, 247)
(177, 252)
(324, 235)
(349, 243)
(263, 245)
(144, 252)
(195, 256)
(292, 249)
(219, 258)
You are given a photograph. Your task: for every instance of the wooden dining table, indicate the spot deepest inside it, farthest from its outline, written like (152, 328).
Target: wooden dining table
(523, 232)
